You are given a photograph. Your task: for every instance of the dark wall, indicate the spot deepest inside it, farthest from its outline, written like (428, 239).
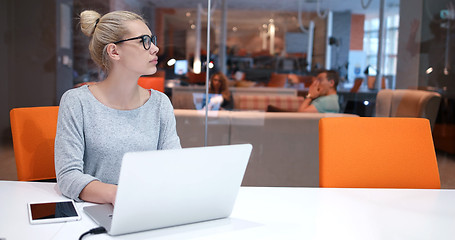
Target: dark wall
(342, 34)
(28, 56)
(4, 119)
(433, 47)
(29, 62)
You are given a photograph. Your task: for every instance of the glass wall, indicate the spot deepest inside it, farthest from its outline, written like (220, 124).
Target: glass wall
(269, 54)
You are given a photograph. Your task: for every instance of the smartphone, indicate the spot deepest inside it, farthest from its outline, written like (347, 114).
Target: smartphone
(51, 212)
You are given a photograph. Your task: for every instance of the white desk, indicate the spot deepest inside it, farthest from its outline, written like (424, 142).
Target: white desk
(266, 213)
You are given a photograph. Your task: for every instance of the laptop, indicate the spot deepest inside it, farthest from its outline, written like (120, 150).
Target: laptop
(165, 188)
(215, 101)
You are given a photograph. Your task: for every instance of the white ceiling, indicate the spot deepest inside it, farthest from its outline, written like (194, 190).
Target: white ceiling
(355, 6)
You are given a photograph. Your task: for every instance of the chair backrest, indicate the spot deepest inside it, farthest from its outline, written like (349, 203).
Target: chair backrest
(377, 153)
(371, 81)
(156, 83)
(408, 103)
(357, 84)
(196, 78)
(306, 80)
(33, 131)
(277, 80)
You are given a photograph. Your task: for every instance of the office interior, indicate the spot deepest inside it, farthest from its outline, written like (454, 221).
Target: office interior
(387, 44)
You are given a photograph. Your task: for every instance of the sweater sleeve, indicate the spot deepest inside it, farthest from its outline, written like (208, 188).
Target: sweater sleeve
(69, 147)
(168, 133)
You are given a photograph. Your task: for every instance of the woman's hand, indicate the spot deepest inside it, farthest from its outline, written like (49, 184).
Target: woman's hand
(99, 192)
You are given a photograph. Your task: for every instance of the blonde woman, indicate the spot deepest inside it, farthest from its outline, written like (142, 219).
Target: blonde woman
(97, 124)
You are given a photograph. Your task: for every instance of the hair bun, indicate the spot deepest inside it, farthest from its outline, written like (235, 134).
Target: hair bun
(89, 19)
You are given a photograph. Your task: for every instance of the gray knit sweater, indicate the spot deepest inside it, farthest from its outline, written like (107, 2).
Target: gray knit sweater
(92, 138)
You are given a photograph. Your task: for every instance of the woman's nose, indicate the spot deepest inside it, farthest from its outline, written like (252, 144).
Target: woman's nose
(154, 49)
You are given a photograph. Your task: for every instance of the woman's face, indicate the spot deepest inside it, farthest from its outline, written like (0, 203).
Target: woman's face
(133, 56)
(216, 82)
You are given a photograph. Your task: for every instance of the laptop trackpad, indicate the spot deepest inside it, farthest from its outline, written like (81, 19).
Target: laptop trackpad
(101, 214)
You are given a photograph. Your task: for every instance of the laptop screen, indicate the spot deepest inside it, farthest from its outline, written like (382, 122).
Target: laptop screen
(215, 101)
(181, 67)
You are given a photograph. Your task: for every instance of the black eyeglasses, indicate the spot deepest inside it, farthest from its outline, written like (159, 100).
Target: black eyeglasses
(145, 39)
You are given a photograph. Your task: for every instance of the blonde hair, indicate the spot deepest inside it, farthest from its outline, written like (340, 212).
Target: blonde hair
(103, 30)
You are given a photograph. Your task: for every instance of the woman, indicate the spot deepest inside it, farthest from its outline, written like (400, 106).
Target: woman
(97, 124)
(219, 85)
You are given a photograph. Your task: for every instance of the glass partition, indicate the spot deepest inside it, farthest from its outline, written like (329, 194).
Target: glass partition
(269, 54)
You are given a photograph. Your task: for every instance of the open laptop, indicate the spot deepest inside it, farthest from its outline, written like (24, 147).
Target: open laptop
(166, 188)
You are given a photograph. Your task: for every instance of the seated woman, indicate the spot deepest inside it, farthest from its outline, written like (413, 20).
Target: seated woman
(219, 85)
(99, 123)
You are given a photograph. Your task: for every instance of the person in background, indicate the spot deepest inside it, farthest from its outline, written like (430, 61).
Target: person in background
(99, 123)
(322, 95)
(219, 85)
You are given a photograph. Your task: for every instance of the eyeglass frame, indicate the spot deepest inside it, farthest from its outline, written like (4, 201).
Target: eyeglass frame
(142, 37)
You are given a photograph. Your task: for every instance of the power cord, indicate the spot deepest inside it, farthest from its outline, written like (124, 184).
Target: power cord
(97, 230)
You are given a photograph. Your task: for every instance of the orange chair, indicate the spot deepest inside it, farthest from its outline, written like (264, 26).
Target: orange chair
(357, 84)
(148, 82)
(277, 80)
(306, 80)
(371, 81)
(33, 132)
(377, 153)
(196, 78)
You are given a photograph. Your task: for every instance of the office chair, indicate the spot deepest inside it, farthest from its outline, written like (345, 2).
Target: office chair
(408, 103)
(277, 80)
(151, 82)
(377, 153)
(357, 83)
(371, 81)
(33, 131)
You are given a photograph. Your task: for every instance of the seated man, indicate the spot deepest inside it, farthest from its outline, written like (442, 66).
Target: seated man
(322, 96)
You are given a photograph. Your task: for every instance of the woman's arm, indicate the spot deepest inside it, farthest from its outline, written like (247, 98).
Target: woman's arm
(70, 147)
(168, 138)
(99, 192)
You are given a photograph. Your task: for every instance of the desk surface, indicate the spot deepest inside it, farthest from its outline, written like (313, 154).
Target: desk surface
(266, 213)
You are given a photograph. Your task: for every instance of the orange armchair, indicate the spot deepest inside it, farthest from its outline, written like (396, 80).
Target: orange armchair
(377, 153)
(277, 80)
(148, 82)
(33, 131)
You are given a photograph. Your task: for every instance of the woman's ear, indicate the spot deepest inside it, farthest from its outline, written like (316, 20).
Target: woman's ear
(113, 51)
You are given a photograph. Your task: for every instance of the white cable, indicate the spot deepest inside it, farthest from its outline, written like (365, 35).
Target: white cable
(318, 10)
(300, 18)
(365, 6)
(207, 76)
